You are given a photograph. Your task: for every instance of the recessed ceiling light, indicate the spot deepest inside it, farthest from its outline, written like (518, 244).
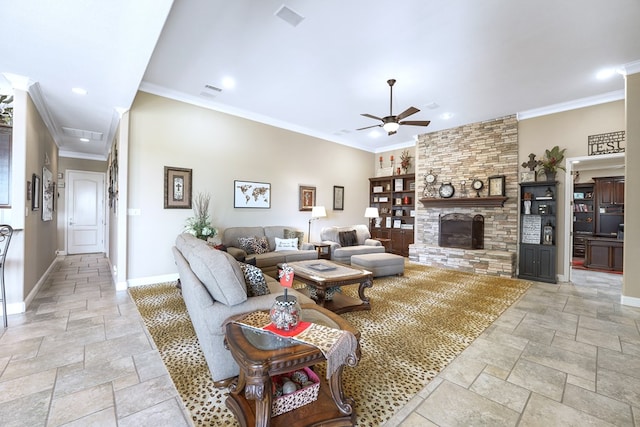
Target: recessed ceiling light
(228, 83)
(446, 116)
(575, 161)
(84, 139)
(375, 134)
(79, 91)
(607, 73)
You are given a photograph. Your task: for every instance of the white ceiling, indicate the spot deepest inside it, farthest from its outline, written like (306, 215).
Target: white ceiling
(477, 60)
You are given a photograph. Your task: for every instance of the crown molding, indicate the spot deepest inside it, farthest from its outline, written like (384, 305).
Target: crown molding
(631, 68)
(572, 105)
(83, 156)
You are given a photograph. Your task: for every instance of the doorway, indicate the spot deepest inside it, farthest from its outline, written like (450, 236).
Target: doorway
(603, 165)
(85, 228)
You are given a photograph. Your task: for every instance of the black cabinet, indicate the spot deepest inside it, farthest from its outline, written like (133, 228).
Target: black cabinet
(538, 262)
(538, 218)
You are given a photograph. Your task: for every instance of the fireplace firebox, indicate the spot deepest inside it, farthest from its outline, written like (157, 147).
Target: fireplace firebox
(461, 231)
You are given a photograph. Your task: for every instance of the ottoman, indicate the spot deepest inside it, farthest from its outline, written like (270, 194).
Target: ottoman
(380, 264)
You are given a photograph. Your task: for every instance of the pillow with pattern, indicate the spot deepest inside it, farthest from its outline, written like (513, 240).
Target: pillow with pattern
(254, 279)
(292, 234)
(286, 244)
(348, 238)
(254, 245)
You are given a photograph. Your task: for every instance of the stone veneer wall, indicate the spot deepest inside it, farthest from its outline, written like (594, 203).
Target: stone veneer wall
(477, 150)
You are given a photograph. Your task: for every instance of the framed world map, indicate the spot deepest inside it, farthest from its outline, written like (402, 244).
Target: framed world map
(249, 194)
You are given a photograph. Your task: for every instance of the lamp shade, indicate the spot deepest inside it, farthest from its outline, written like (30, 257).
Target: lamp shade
(318, 212)
(371, 213)
(390, 126)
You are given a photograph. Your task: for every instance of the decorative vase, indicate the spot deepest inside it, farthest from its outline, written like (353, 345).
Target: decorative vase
(285, 312)
(550, 175)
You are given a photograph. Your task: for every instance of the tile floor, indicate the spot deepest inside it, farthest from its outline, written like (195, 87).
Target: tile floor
(566, 354)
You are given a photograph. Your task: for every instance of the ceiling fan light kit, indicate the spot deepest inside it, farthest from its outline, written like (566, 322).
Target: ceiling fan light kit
(392, 123)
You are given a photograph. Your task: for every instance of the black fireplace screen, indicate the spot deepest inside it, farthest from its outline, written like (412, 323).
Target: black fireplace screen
(461, 231)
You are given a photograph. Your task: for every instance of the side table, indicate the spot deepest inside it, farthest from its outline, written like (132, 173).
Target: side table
(324, 250)
(262, 355)
(385, 242)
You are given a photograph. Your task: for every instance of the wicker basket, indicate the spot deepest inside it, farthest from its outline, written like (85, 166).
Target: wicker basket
(305, 395)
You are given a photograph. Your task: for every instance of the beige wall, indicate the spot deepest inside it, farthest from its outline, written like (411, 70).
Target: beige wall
(221, 148)
(569, 130)
(631, 284)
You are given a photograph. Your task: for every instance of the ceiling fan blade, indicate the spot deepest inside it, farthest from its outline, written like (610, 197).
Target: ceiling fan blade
(416, 122)
(371, 116)
(406, 113)
(369, 127)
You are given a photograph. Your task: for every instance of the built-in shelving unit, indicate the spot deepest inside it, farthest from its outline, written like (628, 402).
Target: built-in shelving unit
(394, 196)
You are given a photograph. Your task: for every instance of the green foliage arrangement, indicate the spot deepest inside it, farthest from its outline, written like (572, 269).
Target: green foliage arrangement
(200, 225)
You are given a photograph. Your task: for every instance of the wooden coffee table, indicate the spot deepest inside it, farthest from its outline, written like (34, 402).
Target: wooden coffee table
(262, 355)
(323, 274)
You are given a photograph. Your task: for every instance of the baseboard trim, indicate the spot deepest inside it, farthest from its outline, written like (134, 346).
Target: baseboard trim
(631, 301)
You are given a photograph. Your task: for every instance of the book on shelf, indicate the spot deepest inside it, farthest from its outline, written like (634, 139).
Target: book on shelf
(406, 226)
(544, 198)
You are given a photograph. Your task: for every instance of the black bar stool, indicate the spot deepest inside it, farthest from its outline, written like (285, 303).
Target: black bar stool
(5, 237)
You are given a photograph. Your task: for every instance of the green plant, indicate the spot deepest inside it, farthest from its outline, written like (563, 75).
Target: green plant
(6, 111)
(200, 225)
(552, 159)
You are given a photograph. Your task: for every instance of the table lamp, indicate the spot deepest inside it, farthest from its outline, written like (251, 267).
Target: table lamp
(371, 213)
(316, 212)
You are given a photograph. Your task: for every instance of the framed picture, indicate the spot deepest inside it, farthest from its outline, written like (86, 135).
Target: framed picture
(177, 188)
(338, 198)
(528, 176)
(307, 198)
(578, 195)
(35, 192)
(47, 194)
(250, 194)
(496, 185)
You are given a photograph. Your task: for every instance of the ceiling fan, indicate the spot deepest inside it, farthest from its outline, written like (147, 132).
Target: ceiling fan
(391, 123)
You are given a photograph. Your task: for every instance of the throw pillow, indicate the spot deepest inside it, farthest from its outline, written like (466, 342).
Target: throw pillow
(348, 238)
(292, 234)
(286, 244)
(254, 245)
(254, 278)
(261, 245)
(246, 244)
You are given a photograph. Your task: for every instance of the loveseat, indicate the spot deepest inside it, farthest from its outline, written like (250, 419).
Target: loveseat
(214, 288)
(348, 241)
(269, 255)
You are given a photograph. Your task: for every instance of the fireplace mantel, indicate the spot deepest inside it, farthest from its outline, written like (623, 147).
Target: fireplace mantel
(493, 201)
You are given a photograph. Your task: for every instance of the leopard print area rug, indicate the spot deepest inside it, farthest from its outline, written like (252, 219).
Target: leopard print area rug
(418, 323)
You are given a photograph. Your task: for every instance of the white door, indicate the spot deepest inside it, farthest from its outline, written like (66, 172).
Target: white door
(85, 212)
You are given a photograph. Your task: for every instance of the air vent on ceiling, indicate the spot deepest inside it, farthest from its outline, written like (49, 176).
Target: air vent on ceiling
(79, 133)
(210, 87)
(289, 16)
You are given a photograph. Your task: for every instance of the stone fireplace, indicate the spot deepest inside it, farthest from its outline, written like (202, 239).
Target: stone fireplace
(477, 150)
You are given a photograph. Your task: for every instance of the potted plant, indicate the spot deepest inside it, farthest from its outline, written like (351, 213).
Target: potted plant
(551, 162)
(6, 110)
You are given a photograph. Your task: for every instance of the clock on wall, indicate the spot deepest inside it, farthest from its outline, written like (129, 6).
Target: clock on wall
(477, 185)
(446, 190)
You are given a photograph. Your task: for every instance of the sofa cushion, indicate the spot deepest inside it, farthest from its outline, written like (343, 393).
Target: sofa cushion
(286, 244)
(254, 280)
(348, 238)
(254, 245)
(220, 273)
(293, 234)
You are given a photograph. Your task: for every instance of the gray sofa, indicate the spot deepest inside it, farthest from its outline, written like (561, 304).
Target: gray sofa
(268, 261)
(364, 244)
(213, 288)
